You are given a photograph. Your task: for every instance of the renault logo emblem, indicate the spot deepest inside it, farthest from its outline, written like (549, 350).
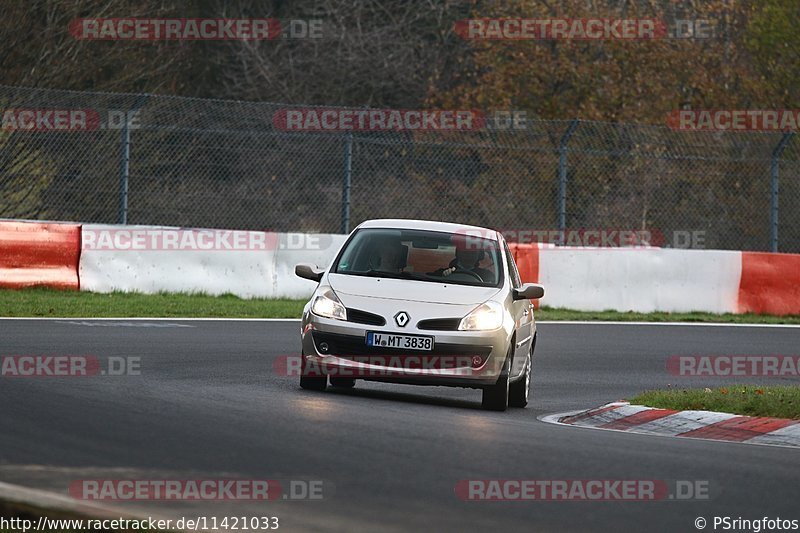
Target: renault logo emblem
(402, 318)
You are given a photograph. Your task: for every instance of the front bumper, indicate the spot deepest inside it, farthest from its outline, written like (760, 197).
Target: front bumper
(459, 358)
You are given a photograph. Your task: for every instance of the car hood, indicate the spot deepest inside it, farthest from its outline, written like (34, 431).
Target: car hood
(356, 288)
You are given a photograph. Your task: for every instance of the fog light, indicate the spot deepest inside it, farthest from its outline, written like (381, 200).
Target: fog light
(323, 347)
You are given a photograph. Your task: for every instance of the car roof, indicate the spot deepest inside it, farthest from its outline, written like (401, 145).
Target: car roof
(430, 225)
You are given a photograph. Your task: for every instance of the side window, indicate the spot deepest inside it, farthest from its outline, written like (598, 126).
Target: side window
(512, 267)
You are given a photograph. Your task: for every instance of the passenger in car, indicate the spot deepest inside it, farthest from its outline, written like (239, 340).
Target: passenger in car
(391, 256)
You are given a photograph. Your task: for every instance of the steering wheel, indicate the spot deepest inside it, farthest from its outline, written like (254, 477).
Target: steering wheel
(468, 272)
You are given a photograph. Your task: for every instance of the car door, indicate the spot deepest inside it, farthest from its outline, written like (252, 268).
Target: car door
(523, 317)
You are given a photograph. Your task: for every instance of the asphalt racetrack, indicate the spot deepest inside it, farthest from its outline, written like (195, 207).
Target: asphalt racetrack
(208, 404)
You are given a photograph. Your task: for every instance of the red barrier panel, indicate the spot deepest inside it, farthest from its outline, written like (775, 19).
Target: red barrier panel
(527, 258)
(33, 253)
(770, 283)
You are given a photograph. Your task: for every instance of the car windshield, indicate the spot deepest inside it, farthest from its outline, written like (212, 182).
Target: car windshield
(432, 256)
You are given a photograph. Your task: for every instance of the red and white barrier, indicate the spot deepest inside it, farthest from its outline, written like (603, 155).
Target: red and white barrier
(663, 279)
(770, 284)
(35, 253)
(149, 259)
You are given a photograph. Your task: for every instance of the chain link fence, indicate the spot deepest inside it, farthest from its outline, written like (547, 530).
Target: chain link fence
(159, 160)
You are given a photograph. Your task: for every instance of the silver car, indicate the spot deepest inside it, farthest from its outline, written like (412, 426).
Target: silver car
(420, 302)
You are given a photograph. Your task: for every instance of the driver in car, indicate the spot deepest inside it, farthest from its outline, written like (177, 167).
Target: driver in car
(467, 259)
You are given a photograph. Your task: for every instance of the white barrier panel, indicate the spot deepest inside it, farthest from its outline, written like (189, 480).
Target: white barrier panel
(250, 264)
(317, 248)
(641, 280)
(151, 259)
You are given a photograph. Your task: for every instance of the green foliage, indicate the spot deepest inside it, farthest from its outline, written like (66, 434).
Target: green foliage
(774, 42)
(749, 400)
(25, 175)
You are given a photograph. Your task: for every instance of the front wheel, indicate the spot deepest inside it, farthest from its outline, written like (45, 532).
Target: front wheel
(495, 397)
(311, 382)
(519, 391)
(343, 383)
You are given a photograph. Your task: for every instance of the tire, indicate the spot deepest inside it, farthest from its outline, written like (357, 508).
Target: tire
(318, 383)
(343, 383)
(495, 397)
(519, 391)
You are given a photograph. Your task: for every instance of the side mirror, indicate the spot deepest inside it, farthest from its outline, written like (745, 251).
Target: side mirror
(529, 291)
(308, 271)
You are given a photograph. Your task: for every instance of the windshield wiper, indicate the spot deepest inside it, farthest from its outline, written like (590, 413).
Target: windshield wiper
(373, 273)
(389, 274)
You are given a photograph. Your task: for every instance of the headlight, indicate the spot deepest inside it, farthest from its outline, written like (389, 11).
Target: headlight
(327, 305)
(488, 315)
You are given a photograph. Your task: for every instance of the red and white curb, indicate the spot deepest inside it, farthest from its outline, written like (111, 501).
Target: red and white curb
(622, 416)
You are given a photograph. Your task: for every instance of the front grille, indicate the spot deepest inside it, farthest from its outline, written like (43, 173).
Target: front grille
(349, 345)
(440, 324)
(362, 317)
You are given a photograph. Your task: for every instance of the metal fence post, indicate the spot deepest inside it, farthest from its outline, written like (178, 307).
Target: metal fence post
(562, 177)
(125, 160)
(348, 176)
(773, 218)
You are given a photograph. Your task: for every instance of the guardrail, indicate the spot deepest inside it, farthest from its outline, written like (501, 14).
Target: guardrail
(149, 259)
(35, 253)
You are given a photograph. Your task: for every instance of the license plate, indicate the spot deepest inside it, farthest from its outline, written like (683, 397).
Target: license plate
(403, 342)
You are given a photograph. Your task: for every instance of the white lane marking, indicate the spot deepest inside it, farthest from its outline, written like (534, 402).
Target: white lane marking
(152, 318)
(705, 324)
(110, 324)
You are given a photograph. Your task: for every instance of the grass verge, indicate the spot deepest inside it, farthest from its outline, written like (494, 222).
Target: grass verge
(548, 313)
(774, 401)
(41, 302)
